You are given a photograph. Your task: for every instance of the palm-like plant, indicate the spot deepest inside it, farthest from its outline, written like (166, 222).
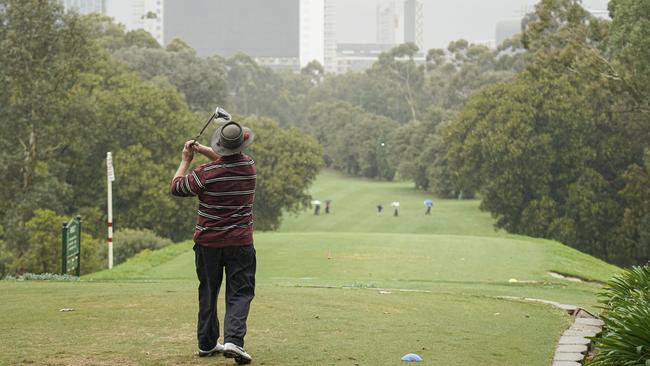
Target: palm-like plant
(625, 340)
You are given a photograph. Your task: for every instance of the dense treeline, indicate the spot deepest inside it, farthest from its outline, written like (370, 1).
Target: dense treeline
(551, 128)
(561, 151)
(378, 123)
(65, 100)
(555, 140)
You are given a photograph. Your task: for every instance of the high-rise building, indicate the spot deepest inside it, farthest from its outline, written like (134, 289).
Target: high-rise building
(280, 33)
(312, 31)
(318, 33)
(139, 14)
(85, 6)
(390, 22)
(413, 22)
(600, 13)
(506, 29)
(265, 30)
(361, 56)
(330, 63)
(153, 19)
(400, 21)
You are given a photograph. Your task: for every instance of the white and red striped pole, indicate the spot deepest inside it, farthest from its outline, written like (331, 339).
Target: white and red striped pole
(110, 177)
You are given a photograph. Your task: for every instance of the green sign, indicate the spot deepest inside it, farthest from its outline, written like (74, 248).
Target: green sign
(71, 246)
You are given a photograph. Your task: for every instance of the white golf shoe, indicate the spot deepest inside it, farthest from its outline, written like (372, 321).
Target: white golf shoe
(218, 348)
(232, 350)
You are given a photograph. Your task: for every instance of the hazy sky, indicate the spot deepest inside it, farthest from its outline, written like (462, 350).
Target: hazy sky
(444, 20)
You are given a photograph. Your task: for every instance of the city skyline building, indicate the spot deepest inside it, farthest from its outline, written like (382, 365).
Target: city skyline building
(506, 28)
(390, 22)
(283, 34)
(132, 14)
(139, 14)
(413, 22)
(330, 62)
(268, 32)
(318, 33)
(153, 19)
(85, 6)
(312, 31)
(358, 57)
(400, 21)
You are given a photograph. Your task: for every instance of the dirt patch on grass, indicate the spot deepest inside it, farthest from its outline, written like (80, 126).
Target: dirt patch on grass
(571, 278)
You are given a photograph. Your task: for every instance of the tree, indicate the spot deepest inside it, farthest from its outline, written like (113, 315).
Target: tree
(44, 253)
(43, 53)
(452, 76)
(140, 38)
(148, 123)
(352, 139)
(287, 163)
(245, 81)
(178, 45)
(201, 81)
(89, 102)
(397, 74)
(554, 152)
(315, 71)
(635, 230)
(141, 195)
(414, 147)
(519, 142)
(630, 47)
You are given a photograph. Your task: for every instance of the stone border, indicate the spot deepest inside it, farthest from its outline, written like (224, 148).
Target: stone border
(574, 342)
(573, 345)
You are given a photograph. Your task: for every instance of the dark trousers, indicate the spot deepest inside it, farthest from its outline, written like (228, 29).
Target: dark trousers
(239, 264)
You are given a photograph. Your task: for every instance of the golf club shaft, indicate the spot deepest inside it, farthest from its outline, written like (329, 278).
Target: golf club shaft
(203, 129)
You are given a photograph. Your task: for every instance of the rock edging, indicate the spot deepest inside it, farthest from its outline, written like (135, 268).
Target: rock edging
(573, 345)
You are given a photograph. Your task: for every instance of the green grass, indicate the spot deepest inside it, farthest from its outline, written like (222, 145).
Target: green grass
(352, 287)
(143, 265)
(354, 209)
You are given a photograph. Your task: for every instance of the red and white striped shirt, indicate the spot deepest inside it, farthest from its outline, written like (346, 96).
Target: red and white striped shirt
(226, 191)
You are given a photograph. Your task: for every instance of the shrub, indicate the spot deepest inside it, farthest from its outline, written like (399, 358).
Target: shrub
(129, 242)
(42, 277)
(43, 255)
(626, 337)
(91, 258)
(5, 258)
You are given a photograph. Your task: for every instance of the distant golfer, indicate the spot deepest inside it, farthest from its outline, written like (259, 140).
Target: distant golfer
(316, 204)
(396, 207)
(223, 235)
(328, 206)
(428, 204)
(379, 209)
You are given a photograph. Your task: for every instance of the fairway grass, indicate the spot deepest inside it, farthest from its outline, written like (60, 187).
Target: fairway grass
(354, 209)
(348, 288)
(152, 323)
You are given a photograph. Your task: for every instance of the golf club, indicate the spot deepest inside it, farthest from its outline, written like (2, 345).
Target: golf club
(219, 113)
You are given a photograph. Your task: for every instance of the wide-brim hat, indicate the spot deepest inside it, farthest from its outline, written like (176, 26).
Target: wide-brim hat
(231, 138)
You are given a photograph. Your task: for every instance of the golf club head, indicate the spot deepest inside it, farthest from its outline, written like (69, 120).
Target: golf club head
(221, 113)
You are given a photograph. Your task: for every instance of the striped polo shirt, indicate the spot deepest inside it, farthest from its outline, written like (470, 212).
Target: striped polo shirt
(226, 191)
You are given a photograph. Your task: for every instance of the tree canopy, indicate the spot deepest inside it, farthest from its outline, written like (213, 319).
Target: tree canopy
(74, 87)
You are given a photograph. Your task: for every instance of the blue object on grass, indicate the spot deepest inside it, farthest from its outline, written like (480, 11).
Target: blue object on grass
(411, 357)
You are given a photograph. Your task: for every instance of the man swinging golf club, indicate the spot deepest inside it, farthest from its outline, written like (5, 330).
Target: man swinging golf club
(223, 235)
